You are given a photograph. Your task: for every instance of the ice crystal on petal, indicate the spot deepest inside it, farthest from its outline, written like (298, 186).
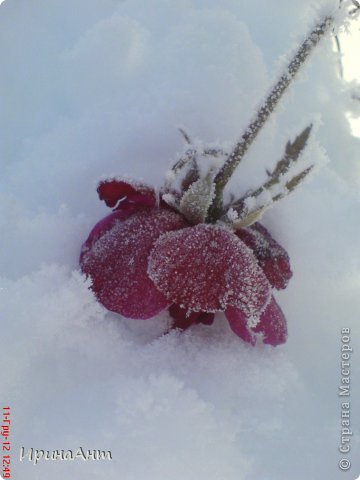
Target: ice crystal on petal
(112, 190)
(207, 268)
(117, 262)
(104, 225)
(271, 326)
(271, 256)
(239, 325)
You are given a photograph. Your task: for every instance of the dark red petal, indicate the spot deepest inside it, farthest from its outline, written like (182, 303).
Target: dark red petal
(272, 325)
(143, 199)
(239, 324)
(113, 190)
(183, 319)
(106, 224)
(271, 256)
(207, 268)
(117, 262)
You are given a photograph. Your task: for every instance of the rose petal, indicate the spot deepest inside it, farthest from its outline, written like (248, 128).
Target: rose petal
(113, 190)
(106, 224)
(271, 256)
(272, 325)
(117, 262)
(207, 268)
(183, 319)
(239, 324)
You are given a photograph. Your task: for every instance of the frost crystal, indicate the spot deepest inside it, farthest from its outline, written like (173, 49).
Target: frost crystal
(197, 199)
(207, 268)
(117, 264)
(271, 256)
(123, 189)
(271, 325)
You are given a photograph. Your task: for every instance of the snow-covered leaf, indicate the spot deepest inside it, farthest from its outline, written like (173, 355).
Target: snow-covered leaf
(197, 199)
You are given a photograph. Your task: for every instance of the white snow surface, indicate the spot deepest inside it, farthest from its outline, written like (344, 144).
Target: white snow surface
(94, 87)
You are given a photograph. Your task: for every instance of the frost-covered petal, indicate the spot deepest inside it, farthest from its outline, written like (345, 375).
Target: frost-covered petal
(106, 224)
(207, 268)
(117, 263)
(272, 325)
(239, 324)
(115, 189)
(184, 319)
(271, 256)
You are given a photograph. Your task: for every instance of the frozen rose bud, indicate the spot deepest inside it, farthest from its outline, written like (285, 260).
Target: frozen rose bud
(207, 268)
(271, 256)
(114, 190)
(184, 319)
(271, 326)
(117, 261)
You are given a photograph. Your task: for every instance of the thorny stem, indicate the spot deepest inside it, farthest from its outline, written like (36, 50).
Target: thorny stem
(263, 114)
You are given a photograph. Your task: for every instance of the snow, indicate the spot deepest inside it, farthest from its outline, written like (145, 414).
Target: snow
(95, 87)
